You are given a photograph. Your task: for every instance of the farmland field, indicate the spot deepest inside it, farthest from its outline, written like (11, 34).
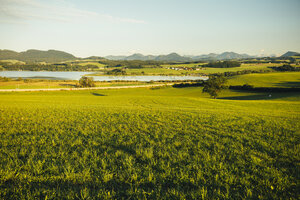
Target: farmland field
(161, 143)
(207, 70)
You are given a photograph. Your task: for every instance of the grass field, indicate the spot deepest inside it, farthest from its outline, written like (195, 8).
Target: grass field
(162, 143)
(153, 71)
(276, 79)
(92, 63)
(144, 71)
(39, 84)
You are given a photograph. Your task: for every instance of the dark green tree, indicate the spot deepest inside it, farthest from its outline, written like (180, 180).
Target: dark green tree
(214, 85)
(86, 81)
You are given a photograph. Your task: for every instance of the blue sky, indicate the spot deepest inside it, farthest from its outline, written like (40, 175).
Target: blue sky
(123, 27)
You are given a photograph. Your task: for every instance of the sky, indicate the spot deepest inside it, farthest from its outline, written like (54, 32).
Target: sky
(123, 27)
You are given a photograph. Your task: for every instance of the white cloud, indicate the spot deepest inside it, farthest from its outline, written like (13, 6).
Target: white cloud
(18, 11)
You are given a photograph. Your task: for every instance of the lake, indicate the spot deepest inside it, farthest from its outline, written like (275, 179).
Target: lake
(77, 75)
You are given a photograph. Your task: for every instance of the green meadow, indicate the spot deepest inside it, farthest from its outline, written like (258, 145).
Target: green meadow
(275, 79)
(101, 66)
(150, 143)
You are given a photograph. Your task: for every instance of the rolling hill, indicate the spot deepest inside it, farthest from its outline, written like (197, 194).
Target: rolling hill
(33, 55)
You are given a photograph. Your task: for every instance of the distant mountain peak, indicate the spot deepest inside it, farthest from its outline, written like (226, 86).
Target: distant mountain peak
(290, 53)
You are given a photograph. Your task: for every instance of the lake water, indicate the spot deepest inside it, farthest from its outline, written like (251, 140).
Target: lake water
(77, 75)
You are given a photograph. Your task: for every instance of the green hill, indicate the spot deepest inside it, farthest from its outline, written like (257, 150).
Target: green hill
(8, 54)
(33, 55)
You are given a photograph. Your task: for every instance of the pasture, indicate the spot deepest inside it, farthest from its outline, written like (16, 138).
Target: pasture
(275, 79)
(159, 143)
(99, 65)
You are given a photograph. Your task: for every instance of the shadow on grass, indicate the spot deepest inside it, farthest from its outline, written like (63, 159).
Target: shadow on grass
(86, 189)
(263, 96)
(288, 84)
(98, 94)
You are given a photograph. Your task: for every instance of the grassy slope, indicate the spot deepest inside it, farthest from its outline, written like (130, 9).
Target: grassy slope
(92, 63)
(285, 79)
(144, 143)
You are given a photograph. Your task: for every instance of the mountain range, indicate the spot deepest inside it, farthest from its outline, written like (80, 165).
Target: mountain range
(177, 57)
(138, 56)
(60, 56)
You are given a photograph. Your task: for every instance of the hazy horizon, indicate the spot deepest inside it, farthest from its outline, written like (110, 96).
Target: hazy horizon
(102, 28)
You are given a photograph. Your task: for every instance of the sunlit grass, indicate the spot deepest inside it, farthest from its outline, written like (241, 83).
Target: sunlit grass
(148, 143)
(276, 79)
